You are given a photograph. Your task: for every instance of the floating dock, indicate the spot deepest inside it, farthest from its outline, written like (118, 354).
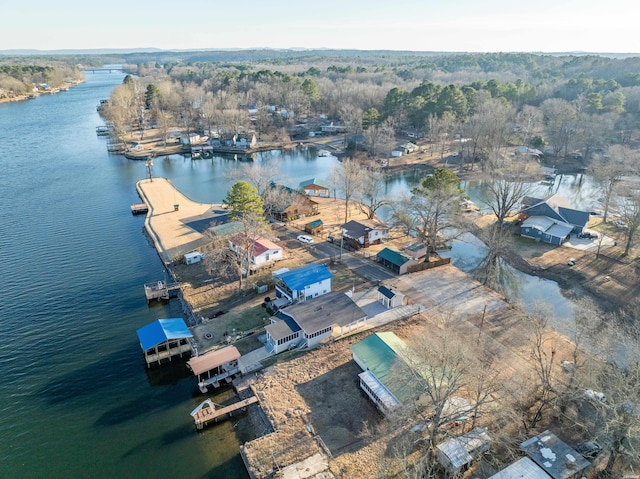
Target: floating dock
(208, 411)
(139, 208)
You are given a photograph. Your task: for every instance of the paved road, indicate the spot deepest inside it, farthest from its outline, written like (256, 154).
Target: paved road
(365, 268)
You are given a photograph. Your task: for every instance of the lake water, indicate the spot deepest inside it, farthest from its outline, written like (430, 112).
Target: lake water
(76, 399)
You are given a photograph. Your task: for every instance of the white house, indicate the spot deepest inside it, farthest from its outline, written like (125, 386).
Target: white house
(265, 252)
(191, 139)
(246, 142)
(363, 233)
(308, 324)
(303, 283)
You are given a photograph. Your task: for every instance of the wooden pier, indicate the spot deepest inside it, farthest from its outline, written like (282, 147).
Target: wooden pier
(160, 290)
(208, 412)
(139, 208)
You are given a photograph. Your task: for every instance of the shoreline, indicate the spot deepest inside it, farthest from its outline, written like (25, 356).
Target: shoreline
(36, 94)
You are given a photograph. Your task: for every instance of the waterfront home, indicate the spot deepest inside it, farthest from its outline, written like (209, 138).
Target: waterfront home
(165, 339)
(290, 204)
(457, 454)
(308, 324)
(304, 283)
(332, 129)
(215, 366)
(316, 187)
(191, 139)
(551, 220)
(363, 233)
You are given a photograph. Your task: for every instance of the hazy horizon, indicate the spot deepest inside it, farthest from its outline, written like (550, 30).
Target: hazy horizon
(547, 26)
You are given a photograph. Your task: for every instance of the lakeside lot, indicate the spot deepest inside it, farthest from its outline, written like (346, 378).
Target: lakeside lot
(320, 388)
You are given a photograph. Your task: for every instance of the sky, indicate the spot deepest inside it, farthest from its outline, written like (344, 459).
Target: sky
(596, 26)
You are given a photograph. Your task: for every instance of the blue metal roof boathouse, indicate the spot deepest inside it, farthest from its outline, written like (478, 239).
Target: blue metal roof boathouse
(163, 339)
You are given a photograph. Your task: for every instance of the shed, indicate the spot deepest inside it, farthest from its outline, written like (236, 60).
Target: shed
(193, 257)
(554, 456)
(164, 339)
(394, 260)
(457, 453)
(390, 298)
(314, 227)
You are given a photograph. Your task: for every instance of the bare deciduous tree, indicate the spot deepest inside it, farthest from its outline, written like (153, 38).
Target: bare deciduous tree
(371, 195)
(348, 180)
(609, 170)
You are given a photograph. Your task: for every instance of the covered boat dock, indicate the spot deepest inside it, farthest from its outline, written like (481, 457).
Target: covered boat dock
(215, 366)
(164, 339)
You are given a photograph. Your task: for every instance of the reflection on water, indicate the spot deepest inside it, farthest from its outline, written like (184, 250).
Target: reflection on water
(578, 189)
(469, 254)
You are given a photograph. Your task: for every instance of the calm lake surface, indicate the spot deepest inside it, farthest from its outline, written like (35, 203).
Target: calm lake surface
(75, 398)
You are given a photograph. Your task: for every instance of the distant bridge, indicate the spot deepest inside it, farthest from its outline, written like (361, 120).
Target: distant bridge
(102, 69)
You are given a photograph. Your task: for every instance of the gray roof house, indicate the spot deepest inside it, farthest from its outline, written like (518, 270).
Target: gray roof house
(551, 220)
(311, 322)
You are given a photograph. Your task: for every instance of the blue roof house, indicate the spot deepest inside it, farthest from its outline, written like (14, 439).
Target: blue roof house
(303, 283)
(551, 220)
(164, 339)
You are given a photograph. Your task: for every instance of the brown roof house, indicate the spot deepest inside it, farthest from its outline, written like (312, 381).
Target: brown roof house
(363, 233)
(290, 204)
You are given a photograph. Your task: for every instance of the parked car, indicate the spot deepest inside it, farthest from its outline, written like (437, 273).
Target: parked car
(621, 224)
(305, 239)
(588, 235)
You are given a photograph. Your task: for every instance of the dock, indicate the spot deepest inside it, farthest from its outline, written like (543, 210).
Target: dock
(139, 209)
(161, 290)
(208, 412)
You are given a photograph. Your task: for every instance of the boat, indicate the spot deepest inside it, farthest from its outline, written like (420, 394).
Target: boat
(322, 153)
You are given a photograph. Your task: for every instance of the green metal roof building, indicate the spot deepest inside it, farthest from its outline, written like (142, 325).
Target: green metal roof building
(387, 377)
